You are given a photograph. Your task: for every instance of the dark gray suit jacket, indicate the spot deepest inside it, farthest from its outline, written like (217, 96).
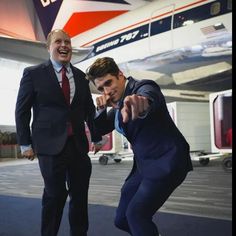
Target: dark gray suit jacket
(160, 150)
(40, 90)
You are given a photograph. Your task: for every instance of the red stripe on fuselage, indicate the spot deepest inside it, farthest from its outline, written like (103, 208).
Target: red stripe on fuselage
(80, 22)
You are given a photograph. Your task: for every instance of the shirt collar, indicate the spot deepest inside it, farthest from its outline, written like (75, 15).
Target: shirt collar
(57, 66)
(122, 97)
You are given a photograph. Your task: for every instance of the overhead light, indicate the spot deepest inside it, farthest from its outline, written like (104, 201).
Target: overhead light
(196, 48)
(188, 22)
(228, 44)
(220, 25)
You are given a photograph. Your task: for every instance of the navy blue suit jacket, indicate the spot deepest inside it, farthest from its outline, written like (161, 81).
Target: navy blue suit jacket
(40, 90)
(160, 150)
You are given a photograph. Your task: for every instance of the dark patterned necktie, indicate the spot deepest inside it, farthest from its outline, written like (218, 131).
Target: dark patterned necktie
(66, 91)
(65, 85)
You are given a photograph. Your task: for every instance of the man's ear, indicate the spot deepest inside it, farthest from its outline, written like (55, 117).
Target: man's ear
(120, 74)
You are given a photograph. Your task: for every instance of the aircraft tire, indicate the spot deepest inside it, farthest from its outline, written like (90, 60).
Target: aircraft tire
(227, 164)
(204, 161)
(117, 160)
(103, 160)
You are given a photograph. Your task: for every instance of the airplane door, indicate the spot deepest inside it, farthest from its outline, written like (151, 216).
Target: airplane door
(160, 30)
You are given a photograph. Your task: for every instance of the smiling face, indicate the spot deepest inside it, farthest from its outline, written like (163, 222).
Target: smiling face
(59, 46)
(112, 86)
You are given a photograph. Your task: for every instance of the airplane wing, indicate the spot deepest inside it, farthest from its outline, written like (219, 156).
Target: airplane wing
(184, 75)
(34, 52)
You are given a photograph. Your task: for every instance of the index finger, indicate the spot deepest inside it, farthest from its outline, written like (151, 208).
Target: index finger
(125, 112)
(132, 104)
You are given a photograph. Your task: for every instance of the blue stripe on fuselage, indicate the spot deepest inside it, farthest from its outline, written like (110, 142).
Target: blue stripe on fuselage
(159, 26)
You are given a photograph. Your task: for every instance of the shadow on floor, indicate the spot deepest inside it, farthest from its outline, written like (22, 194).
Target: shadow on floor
(20, 216)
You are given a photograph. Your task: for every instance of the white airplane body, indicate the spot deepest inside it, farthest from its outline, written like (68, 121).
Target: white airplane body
(176, 43)
(129, 36)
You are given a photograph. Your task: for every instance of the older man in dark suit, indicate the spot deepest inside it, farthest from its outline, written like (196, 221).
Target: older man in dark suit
(161, 153)
(59, 96)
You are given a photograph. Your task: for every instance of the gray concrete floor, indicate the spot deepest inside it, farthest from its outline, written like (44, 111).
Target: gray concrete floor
(206, 192)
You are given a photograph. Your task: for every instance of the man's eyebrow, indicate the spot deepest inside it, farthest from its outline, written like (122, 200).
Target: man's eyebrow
(106, 83)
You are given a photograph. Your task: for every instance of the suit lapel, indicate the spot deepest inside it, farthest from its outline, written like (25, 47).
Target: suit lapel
(78, 89)
(54, 85)
(53, 82)
(128, 90)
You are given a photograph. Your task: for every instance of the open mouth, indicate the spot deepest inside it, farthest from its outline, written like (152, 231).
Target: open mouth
(63, 52)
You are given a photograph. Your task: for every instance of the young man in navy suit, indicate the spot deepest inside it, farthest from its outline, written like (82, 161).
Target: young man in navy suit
(161, 153)
(57, 134)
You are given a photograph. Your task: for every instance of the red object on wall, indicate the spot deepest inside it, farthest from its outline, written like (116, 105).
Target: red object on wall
(229, 137)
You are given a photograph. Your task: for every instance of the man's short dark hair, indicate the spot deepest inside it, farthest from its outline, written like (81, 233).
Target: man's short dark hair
(101, 67)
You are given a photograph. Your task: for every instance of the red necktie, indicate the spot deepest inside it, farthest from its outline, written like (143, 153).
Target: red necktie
(66, 91)
(65, 85)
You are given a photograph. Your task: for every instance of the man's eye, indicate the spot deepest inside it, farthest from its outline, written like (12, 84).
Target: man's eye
(108, 83)
(67, 42)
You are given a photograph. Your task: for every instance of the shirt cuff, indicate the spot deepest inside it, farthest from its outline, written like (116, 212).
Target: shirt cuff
(24, 148)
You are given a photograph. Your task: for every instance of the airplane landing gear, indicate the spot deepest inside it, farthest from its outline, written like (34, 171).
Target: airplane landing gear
(227, 163)
(103, 160)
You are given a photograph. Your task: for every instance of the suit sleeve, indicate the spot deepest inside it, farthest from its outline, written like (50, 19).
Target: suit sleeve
(152, 91)
(104, 121)
(23, 109)
(96, 135)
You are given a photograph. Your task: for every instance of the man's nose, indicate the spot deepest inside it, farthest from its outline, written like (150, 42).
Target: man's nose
(63, 43)
(106, 90)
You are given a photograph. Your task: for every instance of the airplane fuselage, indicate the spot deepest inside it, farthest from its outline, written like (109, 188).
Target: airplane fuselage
(160, 27)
